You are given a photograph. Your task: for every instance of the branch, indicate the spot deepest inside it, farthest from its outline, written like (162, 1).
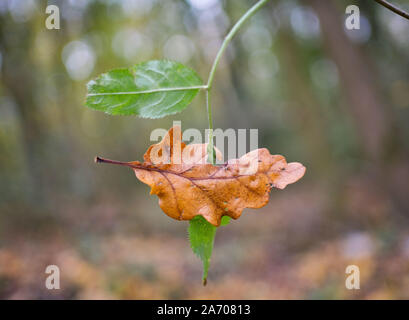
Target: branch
(223, 47)
(230, 36)
(393, 8)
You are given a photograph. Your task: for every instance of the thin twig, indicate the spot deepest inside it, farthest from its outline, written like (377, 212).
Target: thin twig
(216, 61)
(393, 8)
(230, 36)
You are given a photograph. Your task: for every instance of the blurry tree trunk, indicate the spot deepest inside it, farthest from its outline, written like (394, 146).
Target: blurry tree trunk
(366, 104)
(378, 136)
(18, 78)
(303, 109)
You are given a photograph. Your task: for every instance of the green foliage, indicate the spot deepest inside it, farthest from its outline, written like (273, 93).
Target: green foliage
(152, 89)
(225, 221)
(201, 236)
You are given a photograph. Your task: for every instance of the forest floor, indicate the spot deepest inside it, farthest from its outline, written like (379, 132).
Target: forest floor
(296, 247)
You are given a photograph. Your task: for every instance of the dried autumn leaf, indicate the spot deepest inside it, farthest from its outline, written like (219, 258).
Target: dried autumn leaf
(187, 187)
(172, 150)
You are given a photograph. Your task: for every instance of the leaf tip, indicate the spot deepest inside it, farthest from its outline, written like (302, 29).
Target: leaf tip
(204, 282)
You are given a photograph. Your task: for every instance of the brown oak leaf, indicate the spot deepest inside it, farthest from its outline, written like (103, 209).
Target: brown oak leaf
(187, 186)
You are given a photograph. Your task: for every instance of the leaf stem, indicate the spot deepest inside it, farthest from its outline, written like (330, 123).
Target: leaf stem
(204, 248)
(230, 36)
(121, 163)
(210, 149)
(216, 61)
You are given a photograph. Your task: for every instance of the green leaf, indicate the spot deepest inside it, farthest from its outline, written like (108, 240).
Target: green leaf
(225, 221)
(201, 236)
(152, 89)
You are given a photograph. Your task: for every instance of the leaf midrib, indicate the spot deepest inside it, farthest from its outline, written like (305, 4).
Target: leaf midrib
(147, 91)
(141, 167)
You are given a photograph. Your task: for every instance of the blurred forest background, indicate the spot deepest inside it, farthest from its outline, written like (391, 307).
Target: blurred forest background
(335, 100)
